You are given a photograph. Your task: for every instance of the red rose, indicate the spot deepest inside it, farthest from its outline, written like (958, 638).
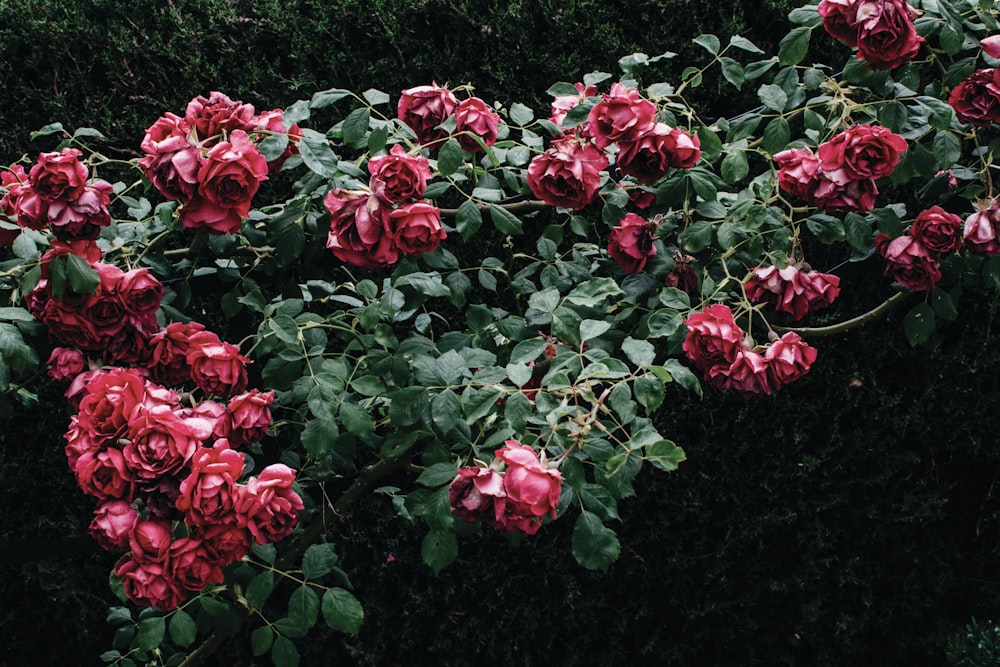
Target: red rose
(109, 402)
(788, 359)
(798, 171)
(747, 374)
(112, 523)
(474, 118)
(149, 582)
(206, 216)
(217, 367)
(980, 230)
(269, 504)
(621, 116)
(83, 217)
(423, 108)
(58, 175)
(168, 350)
(908, 262)
(217, 115)
(563, 103)
(939, 230)
(174, 174)
(713, 337)
(191, 565)
(791, 290)
(646, 158)
(160, 442)
(225, 543)
(216, 420)
(232, 172)
(861, 152)
(568, 174)
(65, 363)
(472, 491)
(398, 177)
(531, 489)
(150, 539)
(840, 19)
(357, 232)
(887, 37)
(104, 475)
(832, 197)
(248, 416)
(976, 99)
(631, 243)
(415, 228)
(209, 493)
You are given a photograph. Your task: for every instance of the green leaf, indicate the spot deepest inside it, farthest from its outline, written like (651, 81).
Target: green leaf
(272, 146)
(439, 549)
(776, 135)
(947, 148)
(794, 46)
(734, 167)
(355, 126)
(743, 126)
(522, 115)
(665, 455)
(941, 113)
(303, 607)
(183, 630)
(83, 278)
(918, 324)
(318, 436)
(893, 115)
(732, 71)
(649, 392)
(858, 231)
(318, 560)
(450, 157)
(325, 98)
(355, 419)
(261, 640)
(437, 474)
(773, 97)
(284, 653)
(317, 154)
(505, 221)
(593, 328)
(595, 546)
(744, 44)
(260, 589)
(599, 500)
(342, 611)
(683, 376)
(943, 305)
(639, 352)
(151, 632)
(468, 219)
(708, 42)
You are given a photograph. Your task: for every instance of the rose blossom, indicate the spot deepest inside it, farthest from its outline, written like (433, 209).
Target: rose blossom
(908, 262)
(887, 37)
(191, 565)
(209, 493)
(649, 155)
(65, 363)
(415, 228)
(939, 230)
(168, 350)
(713, 337)
(788, 359)
(232, 172)
(174, 174)
(140, 292)
(217, 367)
(83, 217)
(423, 108)
(832, 197)
(980, 230)
(976, 99)
(991, 46)
(269, 504)
(798, 171)
(225, 543)
(399, 176)
(475, 117)
(792, 290)
(563, 103)
(861, 152)
(747, 374)
(150, 539)
(160, 442)
(149, 582)
(621, 116)
(205, 216)
(59, 175)
(568, 174)
(630, 244)
(472, 491)
(531, 489)
(840, 19)
(248, 417)
(357, 232)
(112, 523)
(104, 475)
(216, 115)
(109, 401)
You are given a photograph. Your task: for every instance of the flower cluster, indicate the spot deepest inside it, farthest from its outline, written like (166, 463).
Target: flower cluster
(631, 242)
(841, 175)
(515, 498)
(881, 30)
(424, 109)
(166, 477)
(796, 289)
(621, 123)
(718, 347)
(210, 162)
(913, 259)
(58, 193)
(370, 228)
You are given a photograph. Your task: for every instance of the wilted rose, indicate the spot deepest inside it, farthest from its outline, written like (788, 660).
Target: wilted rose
(423, 108)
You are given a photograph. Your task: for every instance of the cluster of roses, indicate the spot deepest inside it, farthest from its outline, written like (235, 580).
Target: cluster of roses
(56, 193)
(841, 175)
(720, 349)
(516, 498)
(166, 480)
(621, 123)
(976, 99)
(425, 109)
(913, 259)
(795, 290)
(208, 160)
(881, 30)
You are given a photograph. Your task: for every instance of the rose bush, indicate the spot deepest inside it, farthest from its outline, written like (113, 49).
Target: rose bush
(487, 302)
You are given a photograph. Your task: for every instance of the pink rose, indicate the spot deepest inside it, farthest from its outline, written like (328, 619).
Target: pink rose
(59, 175)
(160, 442)
(225, 542)
(65, 363)
(149, 582)
(887, 37)
(713, 337)
(174, 174)
(563, 103)
(209, 494)
(475, 118)
(621, 116)
(191, 566)
(791, 290)
(798, 171)
(939, 230)
(168, 350)
(150, 539)
(472, 491)
(232, 172)
(649, 155)
(908, 262)
(630, 244)
(269, 504)
(109, 402)
(840, 19)
(991, 46)
(861, 152)
(832, 197)
(357, 231)
(747, 374)
(568, 174)
(976, 99)
(140, 292)
(415, 228)
(248, 417)
(112, 523)
(217, 367)
(218, 115)
(83, 217)
(531, 489)
(423, 108)
(104, 475)
(788, 359)
(398, 177)
(980, 230)
(206, 216)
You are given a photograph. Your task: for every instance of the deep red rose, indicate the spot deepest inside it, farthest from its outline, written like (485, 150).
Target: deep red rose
(568, 174)
(160, 443)
(59, 175)
(630, 244)
(472, 491)
(209, 493)
(217, 367)
(840, 19)
(269, 504)
(191, 565)
(939, 230)
(415, 228)
(399, 176)
(981, 230)
(232, 172)
(112, 523)
(150, 582)
(649, 155)
(747, 374)
(792, 290)
(218, 115)
(887, 37)
(832, 197)
(83, 217)
(531, 489)
(248, 417)
(861, 152)
(423, 108)
(168, 350)
(109, 401)
(788, 359)
(713, 337)
(474, 118)
(621, 116)
(65, 363)
(357, 232)
(225, 542)
(976, 99)
(908, 262)
(174, 174)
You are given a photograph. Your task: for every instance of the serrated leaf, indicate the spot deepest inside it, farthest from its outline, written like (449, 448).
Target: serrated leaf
(794, 46)
(284, 653)
(595, 546)
(773, 97)
(639, 352)
(776, 135)
(732, 71)
(505, 221)
(318, 560)
(437, 474)
(450, 157)
(522, 115)
(342, 611)
(259, 589)
(183, 630)
(439, 549)
(590, 329)
(151, 632)
(317, 154)
(355, 126)
(665, 455)
(325, 98)
(468, 219)
(745, 44)
(303, 607)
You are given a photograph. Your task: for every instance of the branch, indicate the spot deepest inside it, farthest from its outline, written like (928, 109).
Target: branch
(365, 481)
(840, 327)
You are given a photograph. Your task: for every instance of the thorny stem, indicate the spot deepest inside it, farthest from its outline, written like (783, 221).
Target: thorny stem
(840, 327)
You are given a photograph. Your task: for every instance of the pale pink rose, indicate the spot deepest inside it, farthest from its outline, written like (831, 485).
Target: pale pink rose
(475, 118)
(621, 116)
(472, 491)
(788, 359)
(112, 523)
